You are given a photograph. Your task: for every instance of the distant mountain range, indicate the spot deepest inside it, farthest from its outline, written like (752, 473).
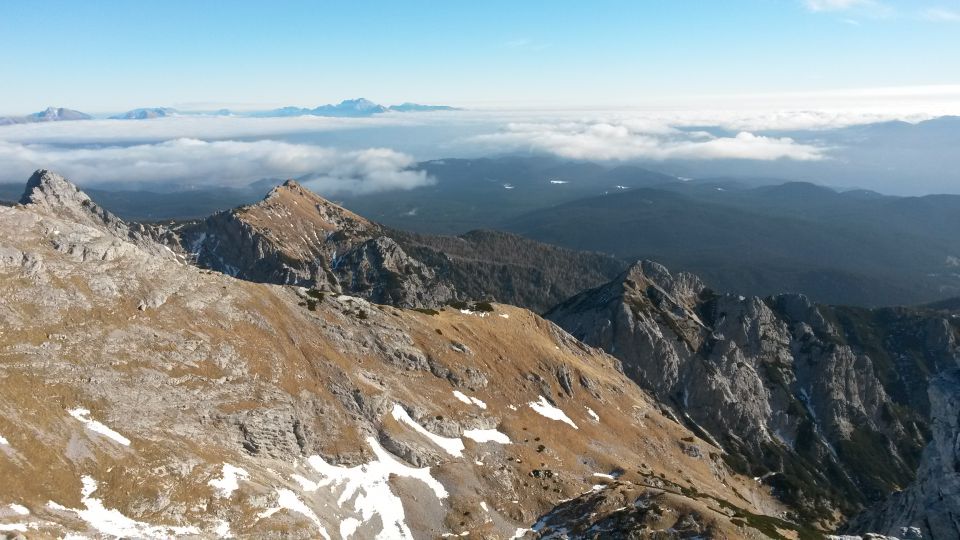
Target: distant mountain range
(348, 108)
(351, 108)
(51, 114)
(856, 247)
(145, 113)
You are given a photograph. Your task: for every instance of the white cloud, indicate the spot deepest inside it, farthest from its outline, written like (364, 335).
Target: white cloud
(835, 5)
(368, 171)
(619, 140)
(749, 112)
(217, 163)
(234, 151)
(869, 8)
(195, 127)
(941, 15)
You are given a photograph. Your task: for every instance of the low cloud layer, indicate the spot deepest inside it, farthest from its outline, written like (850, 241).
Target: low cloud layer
(234, 163)
(188, 126)
(333, 155)
(626, 140)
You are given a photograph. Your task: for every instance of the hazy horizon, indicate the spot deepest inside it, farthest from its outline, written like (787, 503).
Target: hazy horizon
(748, 88)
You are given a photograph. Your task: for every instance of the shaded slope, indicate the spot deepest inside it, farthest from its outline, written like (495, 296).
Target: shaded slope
(826, 405)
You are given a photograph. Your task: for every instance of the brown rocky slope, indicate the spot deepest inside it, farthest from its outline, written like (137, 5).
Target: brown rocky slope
(145, 397)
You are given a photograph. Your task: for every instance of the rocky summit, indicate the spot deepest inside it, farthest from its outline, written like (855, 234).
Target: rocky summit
(292, 370)
(296, 237)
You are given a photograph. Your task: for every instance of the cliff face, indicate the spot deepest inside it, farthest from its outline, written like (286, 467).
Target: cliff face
(825, 405)
(928, 508)
(145, 397)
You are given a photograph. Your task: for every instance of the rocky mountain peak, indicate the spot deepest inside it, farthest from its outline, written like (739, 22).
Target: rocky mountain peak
(44, 185)
(681, 284)
(58, 196)
(288, 185)
(54, 195)
(293, 198)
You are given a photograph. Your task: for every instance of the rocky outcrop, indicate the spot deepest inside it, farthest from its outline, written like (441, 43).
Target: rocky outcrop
(49, 193)
(822, 404)
(54, 194)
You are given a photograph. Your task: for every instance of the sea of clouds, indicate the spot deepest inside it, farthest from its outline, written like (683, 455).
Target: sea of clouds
(238, 150)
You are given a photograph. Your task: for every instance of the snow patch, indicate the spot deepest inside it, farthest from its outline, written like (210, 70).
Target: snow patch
(229, 480)
(348, 527)
(545, 408)
(504, 316)
(288, 500)
(223, 529)
(368, 487)
(20, 510)
(112, 522)
(486, 435)
(4, 441)
(594, 415)
(83, 415)
(453, 446)
(468, 399)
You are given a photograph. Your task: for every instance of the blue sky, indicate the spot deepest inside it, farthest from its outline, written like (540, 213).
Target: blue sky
(109, 55)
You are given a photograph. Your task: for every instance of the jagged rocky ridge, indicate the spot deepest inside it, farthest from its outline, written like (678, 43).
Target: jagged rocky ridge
(296, 237)
(826, 405)
(146, 397)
